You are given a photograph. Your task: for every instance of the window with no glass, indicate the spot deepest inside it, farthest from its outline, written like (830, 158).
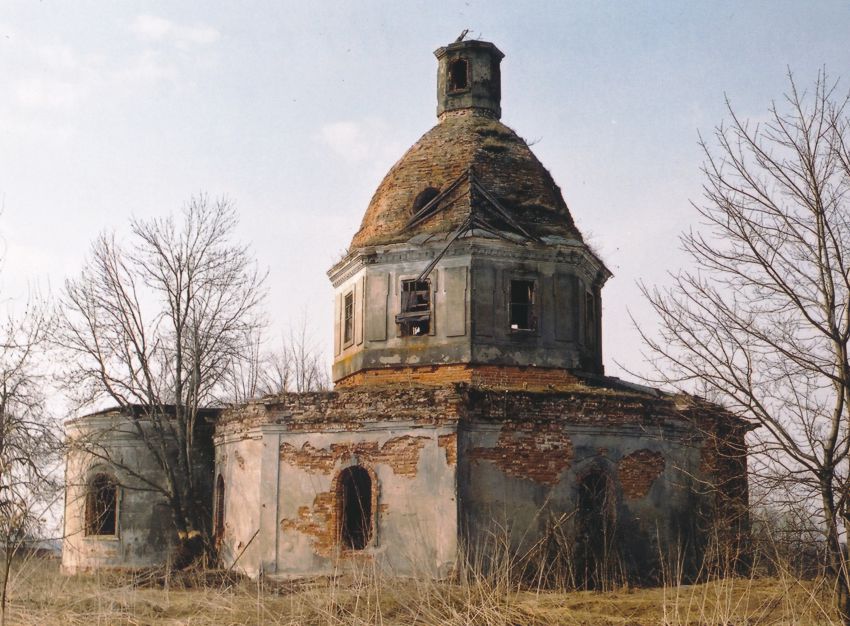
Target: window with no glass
(102, 506)
(589, 319)
(354, 507)
(348, 319)
(458, 75)
(522, 305)
(423, 198)
(414, 317)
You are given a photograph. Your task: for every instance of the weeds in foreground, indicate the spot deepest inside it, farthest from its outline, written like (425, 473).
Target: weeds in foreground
(364, 595)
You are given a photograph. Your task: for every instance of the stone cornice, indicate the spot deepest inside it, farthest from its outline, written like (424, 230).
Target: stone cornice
(570, 252)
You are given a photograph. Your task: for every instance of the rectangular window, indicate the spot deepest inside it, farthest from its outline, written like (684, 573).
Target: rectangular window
(522, 305)
(589, 319)
(414, 318)
(348, 319)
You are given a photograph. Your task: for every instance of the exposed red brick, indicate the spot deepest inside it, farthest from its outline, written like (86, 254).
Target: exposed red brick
(486, 376)
(401, 454)
(449, 444)
(318, 522)
(502, 162)
(638, 471)
(346, 409)
(532, 451)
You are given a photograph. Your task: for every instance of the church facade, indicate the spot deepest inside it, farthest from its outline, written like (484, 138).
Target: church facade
(471, 412)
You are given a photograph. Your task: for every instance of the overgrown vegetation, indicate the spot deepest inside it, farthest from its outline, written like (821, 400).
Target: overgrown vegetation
(364, 596)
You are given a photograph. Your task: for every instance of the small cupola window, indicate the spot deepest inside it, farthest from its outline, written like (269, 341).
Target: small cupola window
(459, 75)
(425, 196)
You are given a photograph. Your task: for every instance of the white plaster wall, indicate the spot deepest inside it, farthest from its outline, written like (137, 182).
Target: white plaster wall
(145, 533)
(415, 530)
(238, 462)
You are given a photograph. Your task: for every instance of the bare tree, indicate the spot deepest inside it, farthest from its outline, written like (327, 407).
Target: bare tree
(28, 439)
(763, 321)
(296, 365)
(153, 326)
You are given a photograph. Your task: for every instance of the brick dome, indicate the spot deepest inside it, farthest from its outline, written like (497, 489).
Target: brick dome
(465, 140)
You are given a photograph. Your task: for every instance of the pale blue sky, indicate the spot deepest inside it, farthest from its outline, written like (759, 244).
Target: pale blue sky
(295, 111)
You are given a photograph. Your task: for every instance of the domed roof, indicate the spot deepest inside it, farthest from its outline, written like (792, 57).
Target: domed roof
(502, 164)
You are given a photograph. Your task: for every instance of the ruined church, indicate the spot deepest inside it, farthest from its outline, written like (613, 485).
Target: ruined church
(471, 414)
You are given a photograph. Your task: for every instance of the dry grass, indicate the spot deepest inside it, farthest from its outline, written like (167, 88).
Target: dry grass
(40, 595)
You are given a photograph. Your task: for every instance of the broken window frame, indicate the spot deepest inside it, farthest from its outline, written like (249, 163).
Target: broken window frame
(415, 309)
(101, 511)
(348, 319)
(451, 84)
(528, 306)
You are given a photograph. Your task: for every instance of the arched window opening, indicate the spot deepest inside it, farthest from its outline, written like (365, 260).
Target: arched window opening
(458, 75)
(596, 537)
(218, 508)
(425, 196)
(354, 501)
(102, 506)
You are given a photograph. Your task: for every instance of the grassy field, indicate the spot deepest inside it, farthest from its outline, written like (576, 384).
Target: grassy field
(39, 594)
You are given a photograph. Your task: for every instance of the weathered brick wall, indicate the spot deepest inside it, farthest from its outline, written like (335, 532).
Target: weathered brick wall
(529, 450)
(412, 473)
(399, 453)
(501, 160)
(637, 472)
(346, 408)
(525, 448)
(490, 376)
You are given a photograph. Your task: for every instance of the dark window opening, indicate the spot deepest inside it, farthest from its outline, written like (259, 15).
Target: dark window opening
(218, 507)
(589, 319)
(348, 319)
(354, 498)
(415, 315)
(596, 536)
(458, 75)
(424, 197)
(102, 506)
(522, 305)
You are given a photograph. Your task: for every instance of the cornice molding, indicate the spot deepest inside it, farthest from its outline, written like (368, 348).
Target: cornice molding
(572, 253)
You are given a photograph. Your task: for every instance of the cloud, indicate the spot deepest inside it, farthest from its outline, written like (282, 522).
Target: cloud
(153, 28)
(358, 141)
(45, 93)
(149, 67)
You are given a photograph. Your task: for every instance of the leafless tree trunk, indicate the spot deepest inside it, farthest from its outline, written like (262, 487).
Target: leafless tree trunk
(763, 321)
(28, 438)
(154, 325)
